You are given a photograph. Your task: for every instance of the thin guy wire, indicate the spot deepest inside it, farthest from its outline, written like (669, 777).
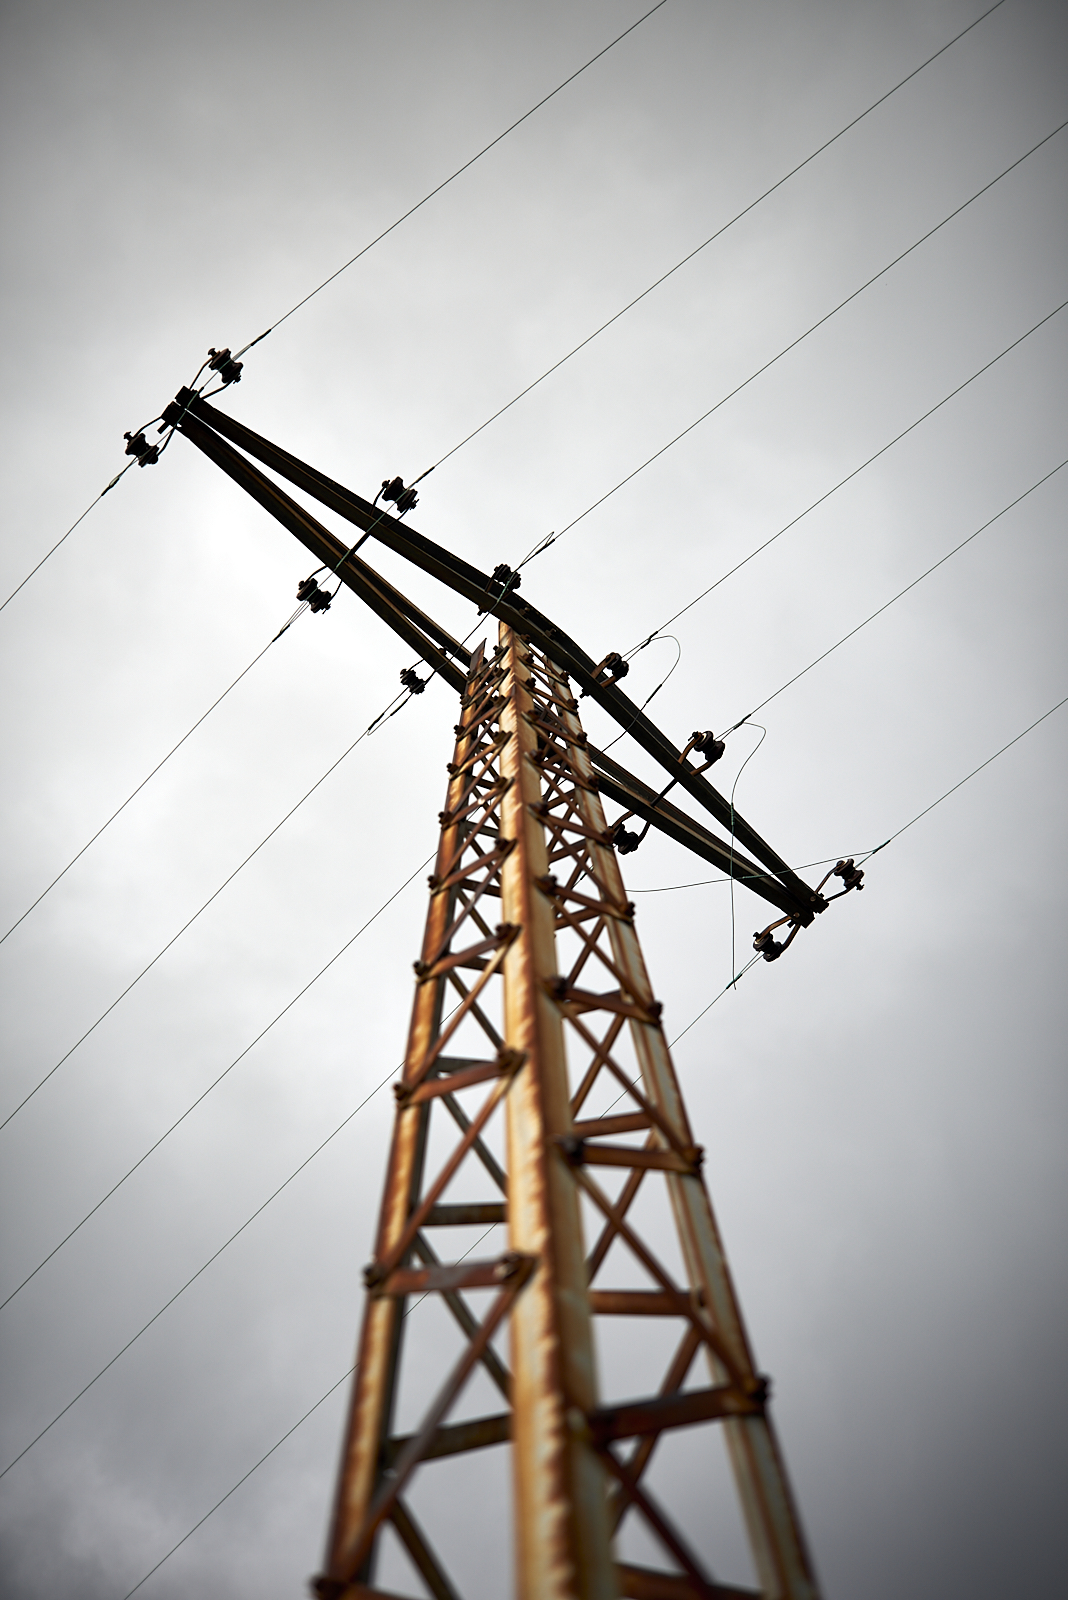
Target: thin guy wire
(214, 1085)
(901, 592)
(407, 1312)
(710, 240)
(554, 538)
(198, 913)
(445, 183)
(851, 475)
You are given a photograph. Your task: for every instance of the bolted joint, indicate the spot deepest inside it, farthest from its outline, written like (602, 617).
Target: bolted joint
(548, 885)
(373, 1275)
(510, 1060)
(573, 1149)
(695, 1155)
(402, 1093)
(509, 1266)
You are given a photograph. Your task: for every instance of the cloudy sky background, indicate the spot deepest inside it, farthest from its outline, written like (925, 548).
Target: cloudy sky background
(883, 1109)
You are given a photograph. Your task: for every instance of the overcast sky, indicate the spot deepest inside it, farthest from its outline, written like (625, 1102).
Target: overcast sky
(883, 1109)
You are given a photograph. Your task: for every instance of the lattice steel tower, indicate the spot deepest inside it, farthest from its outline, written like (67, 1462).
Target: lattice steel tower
(538, 1095)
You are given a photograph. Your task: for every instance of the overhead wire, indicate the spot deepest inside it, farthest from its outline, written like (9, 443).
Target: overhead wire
(555, 537)
(214, 1085)
(901, 592)
(452, 177)
(718, 234)
(402, 698)
(960, 387)
(732, 984)
(657, 634)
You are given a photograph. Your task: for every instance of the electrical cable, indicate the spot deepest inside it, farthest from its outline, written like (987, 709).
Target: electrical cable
(215, 1083)
(617, 315)
(201, 909)
(445, 183)
(134, 792)
(850, 476)
(901, 592)
(555, 537)
(704, 245)
(732, 984)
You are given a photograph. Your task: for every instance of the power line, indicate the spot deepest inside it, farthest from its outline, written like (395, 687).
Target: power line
(200, 1270)
(445, 183)
(909, 586)
(704, 245)
(555, 537)
(214, 1085)
(882, 99)
(134, 792)
(848, 478)
(200, 910)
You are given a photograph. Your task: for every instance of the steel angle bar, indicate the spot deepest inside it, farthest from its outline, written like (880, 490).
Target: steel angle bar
(395, 609)
(517, 613)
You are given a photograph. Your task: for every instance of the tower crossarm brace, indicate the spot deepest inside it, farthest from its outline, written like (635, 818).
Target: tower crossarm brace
(197, 419)
(538, 1094)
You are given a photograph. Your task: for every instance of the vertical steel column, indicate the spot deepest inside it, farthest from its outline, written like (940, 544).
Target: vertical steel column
(562, 1529)
(774, 1527)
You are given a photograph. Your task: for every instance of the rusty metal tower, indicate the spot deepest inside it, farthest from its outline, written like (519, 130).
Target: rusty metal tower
(538, 1095)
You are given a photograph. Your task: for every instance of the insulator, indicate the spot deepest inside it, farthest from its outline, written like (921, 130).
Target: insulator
(505, 577)
(850, 874)
(320, 601)
(624, 840)
(224, 364)
(306, 588)
(393, 490)
(705, 744)
(412, 681)
(768, 947)
(137, 445)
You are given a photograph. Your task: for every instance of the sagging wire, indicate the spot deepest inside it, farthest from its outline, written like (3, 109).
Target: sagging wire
(629, 657)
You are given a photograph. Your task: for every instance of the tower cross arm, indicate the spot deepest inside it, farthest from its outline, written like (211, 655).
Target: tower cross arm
(197, 419)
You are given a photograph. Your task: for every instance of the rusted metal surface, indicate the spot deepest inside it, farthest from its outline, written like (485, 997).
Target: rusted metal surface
(530, 983)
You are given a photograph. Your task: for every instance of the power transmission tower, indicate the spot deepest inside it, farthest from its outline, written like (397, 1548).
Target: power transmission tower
(538, 1094)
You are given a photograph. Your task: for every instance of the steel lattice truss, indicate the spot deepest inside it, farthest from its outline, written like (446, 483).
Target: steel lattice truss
(532, 1009)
